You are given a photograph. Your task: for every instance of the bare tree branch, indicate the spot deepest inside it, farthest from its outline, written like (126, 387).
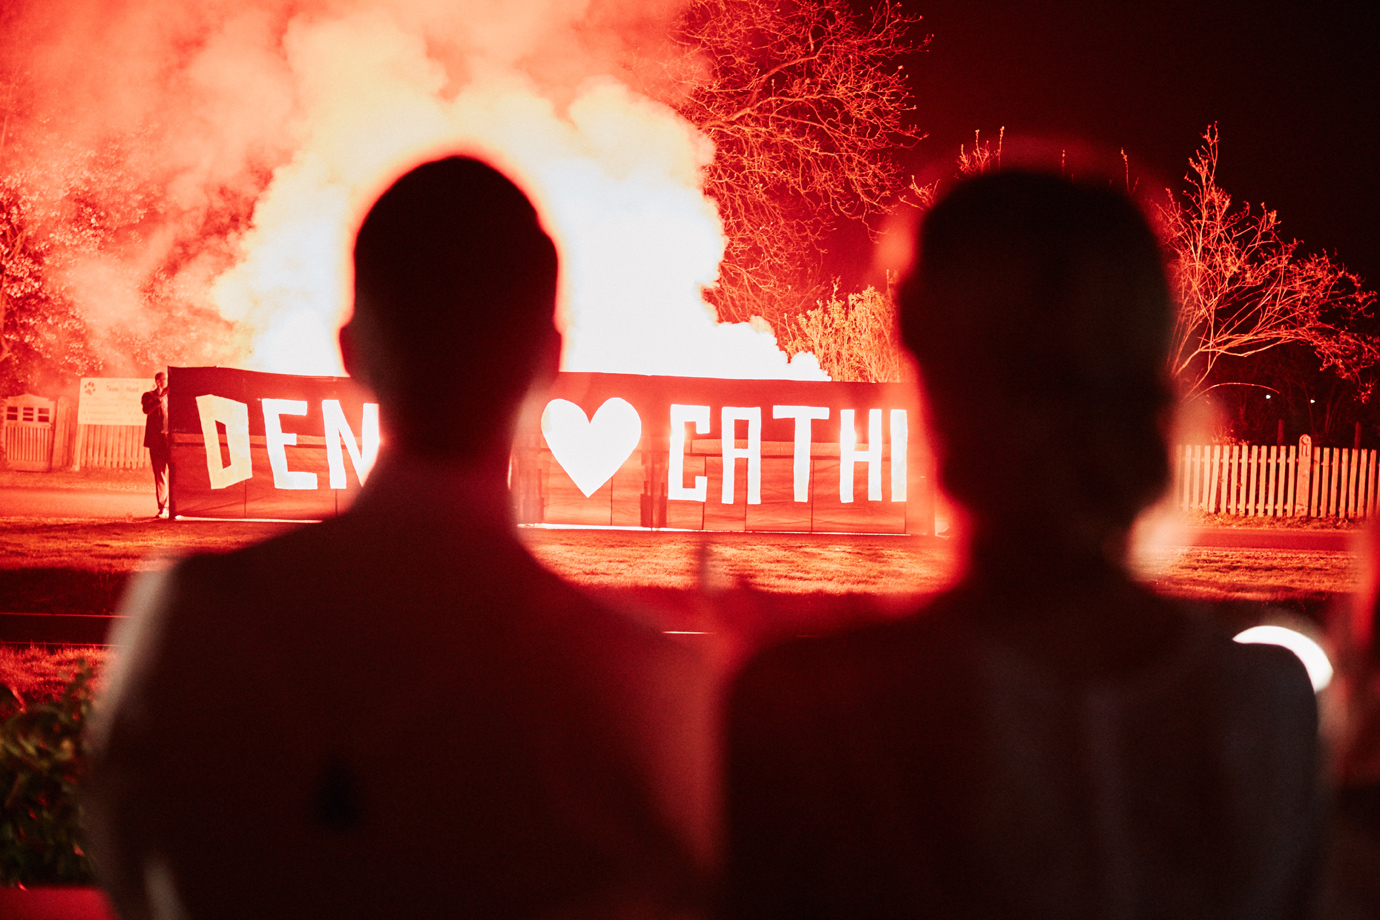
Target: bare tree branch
(1243, 289)
(805, 106)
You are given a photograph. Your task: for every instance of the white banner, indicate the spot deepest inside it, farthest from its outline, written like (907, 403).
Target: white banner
(112, 400)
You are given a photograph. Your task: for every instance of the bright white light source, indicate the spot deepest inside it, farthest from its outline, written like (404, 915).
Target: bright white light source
(1308, 651)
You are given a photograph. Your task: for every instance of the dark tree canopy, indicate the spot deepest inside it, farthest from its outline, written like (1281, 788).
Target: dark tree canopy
(805, 106)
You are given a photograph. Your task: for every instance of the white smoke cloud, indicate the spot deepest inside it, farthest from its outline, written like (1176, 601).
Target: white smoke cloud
(299, 114)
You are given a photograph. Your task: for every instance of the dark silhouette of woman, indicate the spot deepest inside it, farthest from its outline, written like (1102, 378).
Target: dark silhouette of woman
(1049, 739)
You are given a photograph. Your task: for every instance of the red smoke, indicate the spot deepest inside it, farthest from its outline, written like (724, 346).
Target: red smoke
(238, 145)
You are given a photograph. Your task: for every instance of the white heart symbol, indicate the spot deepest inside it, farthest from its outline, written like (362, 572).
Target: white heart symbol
(591, 450)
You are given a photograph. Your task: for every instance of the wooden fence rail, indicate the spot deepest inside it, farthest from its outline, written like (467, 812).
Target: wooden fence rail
(39, 434)
(119, 447)
(1256, 480)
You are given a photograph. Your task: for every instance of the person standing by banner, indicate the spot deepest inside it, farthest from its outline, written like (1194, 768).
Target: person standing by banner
(155, 404)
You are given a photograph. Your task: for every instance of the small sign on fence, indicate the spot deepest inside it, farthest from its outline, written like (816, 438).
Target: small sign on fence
(1304, 477)
(112, 400)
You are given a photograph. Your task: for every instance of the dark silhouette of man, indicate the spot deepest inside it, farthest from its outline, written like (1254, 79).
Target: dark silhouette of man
(398, 712)
(155, 406)
(1049, 739)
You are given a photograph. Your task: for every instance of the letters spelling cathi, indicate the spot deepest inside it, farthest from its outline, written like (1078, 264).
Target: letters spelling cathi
(850, 454)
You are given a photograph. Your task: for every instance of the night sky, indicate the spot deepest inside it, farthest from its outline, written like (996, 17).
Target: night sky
(1292, 87)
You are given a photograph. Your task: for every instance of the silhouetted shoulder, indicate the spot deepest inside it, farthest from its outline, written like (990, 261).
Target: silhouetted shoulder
(816, 825)
(962, 762)
(415, 699)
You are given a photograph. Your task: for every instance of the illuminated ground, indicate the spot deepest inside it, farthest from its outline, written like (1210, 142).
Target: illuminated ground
(881, 565)
(733, 592)
(1253, 574)
(775, 563)
(779, 563)
(118, 546)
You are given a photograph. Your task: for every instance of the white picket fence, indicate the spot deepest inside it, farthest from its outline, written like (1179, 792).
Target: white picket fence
(1256, 480)
(116, 447)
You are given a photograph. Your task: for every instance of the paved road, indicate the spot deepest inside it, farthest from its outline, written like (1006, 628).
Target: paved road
(1335, 541)
(97, 504)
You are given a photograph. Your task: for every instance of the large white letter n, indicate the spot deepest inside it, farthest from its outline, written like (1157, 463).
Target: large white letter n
(234, 415)
(338, 433)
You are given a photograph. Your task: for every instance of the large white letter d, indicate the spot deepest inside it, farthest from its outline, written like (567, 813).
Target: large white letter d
(234, 415)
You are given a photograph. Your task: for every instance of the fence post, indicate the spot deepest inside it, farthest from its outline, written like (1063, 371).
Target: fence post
(1320, 482)
(1315, 471)
(1271, 493)
(1351, 505)
(1254, 472)
(1362, 492)
(1344, 465)
(1324, 477)
(1290, 480)
(1332, 461)
(1371, 484)
(1337, 501)
(1234, 494)
(1285, 499)
(1281, 496)
(62, 433)
(1351, 484)
(1216, 467)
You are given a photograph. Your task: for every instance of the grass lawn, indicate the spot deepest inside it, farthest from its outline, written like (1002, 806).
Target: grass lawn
(38, 673)
(751, 587)
(730, 593)
(776, 563)
(1207, 573)
(82, 567)
(119, 546)
(97, 478)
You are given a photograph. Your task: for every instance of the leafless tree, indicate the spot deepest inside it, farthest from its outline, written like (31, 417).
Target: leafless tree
(805, 105)
(1243, 289)
(855, 337)
(984, 157)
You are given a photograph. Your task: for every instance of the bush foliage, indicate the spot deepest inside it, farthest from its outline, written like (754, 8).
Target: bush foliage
(43, 760)
(855, 338)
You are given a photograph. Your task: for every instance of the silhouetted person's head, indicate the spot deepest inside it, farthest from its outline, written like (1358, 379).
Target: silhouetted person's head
(160, 380)
(1040, 315)
(455, 286)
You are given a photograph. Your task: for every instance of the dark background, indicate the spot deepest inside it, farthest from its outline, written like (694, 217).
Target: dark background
(1291, 86)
